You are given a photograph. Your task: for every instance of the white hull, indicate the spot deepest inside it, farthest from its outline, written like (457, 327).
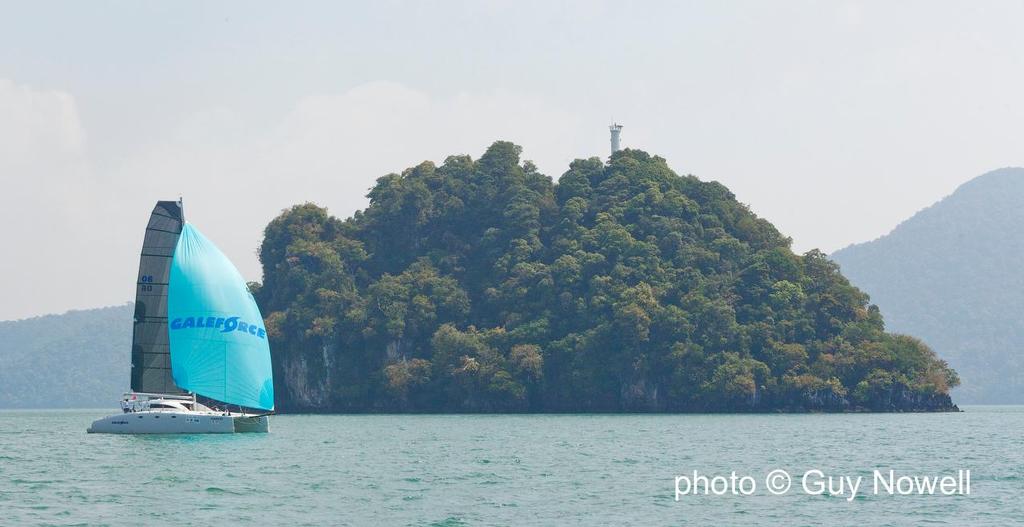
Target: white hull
(174, 422)
(150, 413)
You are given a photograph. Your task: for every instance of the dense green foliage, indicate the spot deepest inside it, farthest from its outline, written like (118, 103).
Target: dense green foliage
(78, 359)
(952, 275)
(480, 285)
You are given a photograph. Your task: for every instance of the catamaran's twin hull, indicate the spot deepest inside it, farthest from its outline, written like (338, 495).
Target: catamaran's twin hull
(179, 423)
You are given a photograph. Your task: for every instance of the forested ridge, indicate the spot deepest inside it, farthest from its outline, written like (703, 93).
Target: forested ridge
(80, 358)
(483, 286)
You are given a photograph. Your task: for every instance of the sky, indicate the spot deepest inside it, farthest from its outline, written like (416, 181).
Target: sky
(833, 120)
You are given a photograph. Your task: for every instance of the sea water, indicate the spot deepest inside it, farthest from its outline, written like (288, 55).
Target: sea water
(510, 470)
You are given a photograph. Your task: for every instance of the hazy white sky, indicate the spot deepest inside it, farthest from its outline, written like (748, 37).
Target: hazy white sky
(834, 120)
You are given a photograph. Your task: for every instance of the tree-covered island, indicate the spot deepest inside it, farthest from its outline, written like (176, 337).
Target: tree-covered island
(484, 286)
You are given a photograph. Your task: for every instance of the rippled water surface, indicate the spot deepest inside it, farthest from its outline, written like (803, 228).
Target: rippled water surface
(504, 470)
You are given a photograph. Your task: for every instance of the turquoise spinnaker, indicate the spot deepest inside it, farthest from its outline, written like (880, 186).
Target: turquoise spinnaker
(219, 345)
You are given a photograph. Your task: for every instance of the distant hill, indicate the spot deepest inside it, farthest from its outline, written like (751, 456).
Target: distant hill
(953, 275)
(77, 359)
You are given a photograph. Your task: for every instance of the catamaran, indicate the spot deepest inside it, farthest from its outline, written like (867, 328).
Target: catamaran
(198, 333)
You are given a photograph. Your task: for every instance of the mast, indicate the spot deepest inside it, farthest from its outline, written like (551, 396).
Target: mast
(181, 208)
(151, 360)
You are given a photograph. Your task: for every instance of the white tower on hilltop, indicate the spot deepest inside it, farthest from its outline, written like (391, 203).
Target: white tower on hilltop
(616, 129)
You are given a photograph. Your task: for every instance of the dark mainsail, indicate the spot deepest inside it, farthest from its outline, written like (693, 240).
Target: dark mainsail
(151, 358)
